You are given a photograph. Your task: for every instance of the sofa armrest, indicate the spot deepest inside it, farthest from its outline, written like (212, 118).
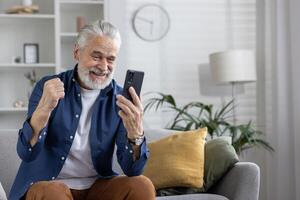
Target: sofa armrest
(2, 193)
(240, 183)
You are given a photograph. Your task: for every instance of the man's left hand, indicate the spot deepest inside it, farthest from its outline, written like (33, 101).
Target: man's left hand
(131, 114)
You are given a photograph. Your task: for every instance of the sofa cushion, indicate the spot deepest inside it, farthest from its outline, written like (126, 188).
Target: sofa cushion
(2, 193)
(220, 156)
(194, 197)
(154, 134)
(177, 160)
(9, 160)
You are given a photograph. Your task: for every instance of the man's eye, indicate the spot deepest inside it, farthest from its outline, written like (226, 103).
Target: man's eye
(96, 57)
(111, 60)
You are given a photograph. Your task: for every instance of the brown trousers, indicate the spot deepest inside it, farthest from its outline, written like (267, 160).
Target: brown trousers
(117, 188)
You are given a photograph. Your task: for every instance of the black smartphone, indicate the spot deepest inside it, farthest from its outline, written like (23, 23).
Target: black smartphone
(133, 79)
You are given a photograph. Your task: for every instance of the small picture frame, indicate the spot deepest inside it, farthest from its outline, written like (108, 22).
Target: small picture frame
(31, 53)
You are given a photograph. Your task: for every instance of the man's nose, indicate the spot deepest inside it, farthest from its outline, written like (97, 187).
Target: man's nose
(102, 64)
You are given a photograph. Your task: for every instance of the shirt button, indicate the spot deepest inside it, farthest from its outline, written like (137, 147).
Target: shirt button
(40, 137)
(76, 115)
(78, 95)
(62, 158)
(71, 137)
(126, 147)
(29, 149)
(31, 183)
(53, 178)
(73, 79)
(130, 151)
(45, 133)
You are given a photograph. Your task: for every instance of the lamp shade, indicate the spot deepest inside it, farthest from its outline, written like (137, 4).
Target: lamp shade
(233, 66)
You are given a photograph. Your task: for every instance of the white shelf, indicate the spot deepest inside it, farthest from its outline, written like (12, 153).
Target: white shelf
(68, 34)
(12, 109)
(9, 130)
(82, 1)
(54, 29)
(25, 65)
(27, 16)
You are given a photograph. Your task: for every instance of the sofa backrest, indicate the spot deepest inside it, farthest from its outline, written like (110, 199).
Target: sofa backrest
(9, 160)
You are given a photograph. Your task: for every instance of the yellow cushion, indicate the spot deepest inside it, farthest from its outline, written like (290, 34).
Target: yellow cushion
(177, 160)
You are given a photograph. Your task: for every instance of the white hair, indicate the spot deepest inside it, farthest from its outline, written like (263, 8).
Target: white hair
(98, 28)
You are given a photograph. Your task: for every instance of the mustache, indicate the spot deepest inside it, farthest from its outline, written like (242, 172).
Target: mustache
(100, 72)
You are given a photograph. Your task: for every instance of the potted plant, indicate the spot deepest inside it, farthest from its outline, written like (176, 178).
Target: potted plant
(197, 114)
(32, 79)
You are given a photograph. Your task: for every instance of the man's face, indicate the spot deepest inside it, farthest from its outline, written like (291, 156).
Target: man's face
(96, 62)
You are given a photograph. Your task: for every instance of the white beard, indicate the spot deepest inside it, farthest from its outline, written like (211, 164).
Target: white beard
(84, 76)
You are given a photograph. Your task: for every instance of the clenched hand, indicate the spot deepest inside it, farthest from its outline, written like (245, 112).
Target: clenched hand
(53, 91)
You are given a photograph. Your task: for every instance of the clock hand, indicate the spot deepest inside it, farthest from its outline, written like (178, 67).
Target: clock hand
(144, 19)
(152, 28)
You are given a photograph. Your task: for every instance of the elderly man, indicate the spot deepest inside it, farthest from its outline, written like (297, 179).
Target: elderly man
(74, 121)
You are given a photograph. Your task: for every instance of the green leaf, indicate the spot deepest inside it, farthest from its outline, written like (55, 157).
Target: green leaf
(194, 115)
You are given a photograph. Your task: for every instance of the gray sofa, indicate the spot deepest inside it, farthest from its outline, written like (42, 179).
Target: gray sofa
(240, 183)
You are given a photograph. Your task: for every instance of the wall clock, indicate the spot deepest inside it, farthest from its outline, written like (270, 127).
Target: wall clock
(151, 22)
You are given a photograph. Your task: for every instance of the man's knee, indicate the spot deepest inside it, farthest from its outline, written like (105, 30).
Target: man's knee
(142, 185)
(48, 190)
(49, 186)
(143, 181)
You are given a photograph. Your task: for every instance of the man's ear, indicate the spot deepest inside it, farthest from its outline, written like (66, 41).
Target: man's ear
(76, 52)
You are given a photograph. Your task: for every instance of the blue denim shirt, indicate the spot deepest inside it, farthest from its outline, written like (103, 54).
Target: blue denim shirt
(45, 159)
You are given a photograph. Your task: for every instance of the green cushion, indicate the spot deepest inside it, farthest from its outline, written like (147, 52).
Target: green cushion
(220, 156)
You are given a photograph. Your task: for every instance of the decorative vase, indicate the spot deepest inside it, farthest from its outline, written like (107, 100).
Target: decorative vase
(26, 2)
(80, 22)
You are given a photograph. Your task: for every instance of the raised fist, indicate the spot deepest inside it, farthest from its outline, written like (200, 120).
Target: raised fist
(53, 91)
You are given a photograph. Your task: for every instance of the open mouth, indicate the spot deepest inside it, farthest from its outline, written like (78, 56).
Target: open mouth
(99, 73)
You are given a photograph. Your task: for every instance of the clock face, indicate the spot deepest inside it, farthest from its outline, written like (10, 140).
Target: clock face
(151, 22)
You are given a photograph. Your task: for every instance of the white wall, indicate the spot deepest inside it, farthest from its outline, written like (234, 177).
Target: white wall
(178, 64)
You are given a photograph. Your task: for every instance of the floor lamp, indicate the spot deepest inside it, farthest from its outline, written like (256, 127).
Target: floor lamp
(234, 67)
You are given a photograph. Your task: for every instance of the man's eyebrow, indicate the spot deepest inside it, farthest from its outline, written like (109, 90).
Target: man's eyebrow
(95, 52)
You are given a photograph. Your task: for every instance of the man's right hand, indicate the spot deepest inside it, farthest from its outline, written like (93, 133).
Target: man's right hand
(53, 91)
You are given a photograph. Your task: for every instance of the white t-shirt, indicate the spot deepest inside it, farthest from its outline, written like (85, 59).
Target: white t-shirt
(78, 171)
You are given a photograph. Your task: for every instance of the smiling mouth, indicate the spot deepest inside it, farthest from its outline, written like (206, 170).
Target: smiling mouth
(103, 73)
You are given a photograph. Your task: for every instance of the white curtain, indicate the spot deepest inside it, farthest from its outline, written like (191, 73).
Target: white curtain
(278, 52)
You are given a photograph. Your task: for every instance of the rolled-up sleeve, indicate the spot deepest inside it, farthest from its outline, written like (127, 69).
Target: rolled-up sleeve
(25, 151)
(125, 154)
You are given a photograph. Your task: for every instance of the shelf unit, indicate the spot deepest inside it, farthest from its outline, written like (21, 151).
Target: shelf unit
(54, 29)
(12, 109)
(26, 16)
(10, 66)
(66, 33)
(95, 2)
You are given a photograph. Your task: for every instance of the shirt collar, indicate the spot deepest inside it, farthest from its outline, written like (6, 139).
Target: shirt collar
(104, 92)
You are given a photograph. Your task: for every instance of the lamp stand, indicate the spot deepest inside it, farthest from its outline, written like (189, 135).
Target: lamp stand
(233, 93)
